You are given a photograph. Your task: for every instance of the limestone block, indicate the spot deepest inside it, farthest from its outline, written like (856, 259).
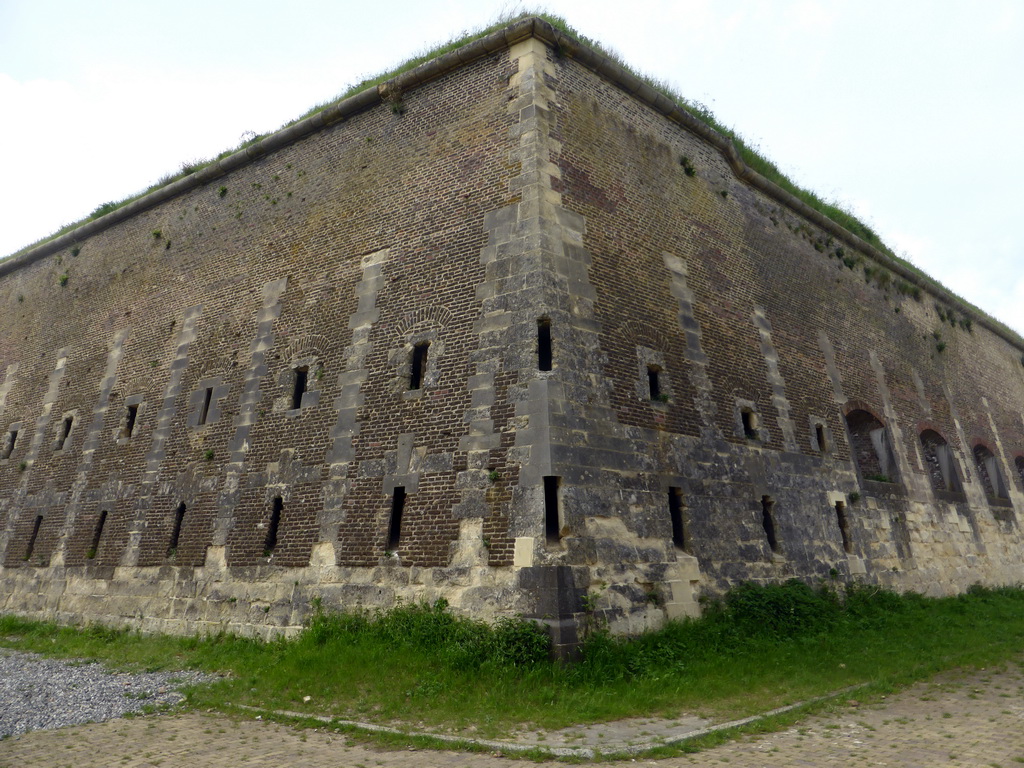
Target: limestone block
(524, 552)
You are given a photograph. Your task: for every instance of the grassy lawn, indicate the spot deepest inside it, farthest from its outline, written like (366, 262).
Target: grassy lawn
(761, 648)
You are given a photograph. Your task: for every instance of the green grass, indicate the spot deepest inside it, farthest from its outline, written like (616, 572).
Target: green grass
(752, 156)
(761, 648)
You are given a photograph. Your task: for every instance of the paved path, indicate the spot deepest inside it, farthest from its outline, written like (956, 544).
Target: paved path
(961, 719)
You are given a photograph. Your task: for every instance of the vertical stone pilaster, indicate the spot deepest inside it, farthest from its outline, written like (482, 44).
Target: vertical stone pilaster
(892, 422)
(346, 404)
(922, 398)
(156, 453)
(901, 531)
(775, 379)
(17, 499)
(5, 388)
(89, 446)
(965, 458)
(43, 422)
(825, 345)
(1005, 467)
(254, 374)
(703, 399)
(6, 507)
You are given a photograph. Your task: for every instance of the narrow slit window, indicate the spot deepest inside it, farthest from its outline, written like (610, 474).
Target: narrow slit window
(654, 381)
(301, 382)
(395, 524)
(97, 534)
(8, 449)
(270, 543)
(179, 518)
(552, 527)
(749, 424)
(419, 365)
(65, 432)
(675, 511)
(32, 539)
(204, 412)
(768, 522)
(131, 414)
(819, 435)
(844, 525)
(544, 344)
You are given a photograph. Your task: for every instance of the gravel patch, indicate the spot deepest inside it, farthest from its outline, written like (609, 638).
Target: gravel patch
(37, 693)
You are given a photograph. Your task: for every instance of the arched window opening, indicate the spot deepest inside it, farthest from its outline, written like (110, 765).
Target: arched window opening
(871, 447)
(988, 470)
(939, 462)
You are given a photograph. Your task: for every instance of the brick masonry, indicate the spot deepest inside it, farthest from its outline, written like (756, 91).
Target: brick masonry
(317, 371)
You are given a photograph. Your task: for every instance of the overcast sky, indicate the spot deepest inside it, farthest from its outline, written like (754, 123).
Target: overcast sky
(908, 112)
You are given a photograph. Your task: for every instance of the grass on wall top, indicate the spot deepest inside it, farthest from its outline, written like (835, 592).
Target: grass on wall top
(751, 156)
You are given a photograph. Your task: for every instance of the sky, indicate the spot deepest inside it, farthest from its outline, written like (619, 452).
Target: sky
(909, 113)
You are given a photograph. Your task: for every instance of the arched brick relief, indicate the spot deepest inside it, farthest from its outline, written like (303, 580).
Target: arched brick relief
(430, 317)
(983, 443)
(419, 345)
(871, 444)
(639, 332)
(219, 346)
(65, 429)
(223, 365)
(205, 402)
(134, 385)
(128, 403)
(859, 405)
(653, 379)
(322, 288)
(939, 461)
(311, 345)
(301, 377)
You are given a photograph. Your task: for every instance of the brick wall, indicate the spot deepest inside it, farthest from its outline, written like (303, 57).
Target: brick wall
(236, 364)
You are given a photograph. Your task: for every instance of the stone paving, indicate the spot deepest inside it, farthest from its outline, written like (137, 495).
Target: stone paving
(958, 719)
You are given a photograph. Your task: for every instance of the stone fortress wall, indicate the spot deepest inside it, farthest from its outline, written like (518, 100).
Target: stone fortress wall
(510, 330)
